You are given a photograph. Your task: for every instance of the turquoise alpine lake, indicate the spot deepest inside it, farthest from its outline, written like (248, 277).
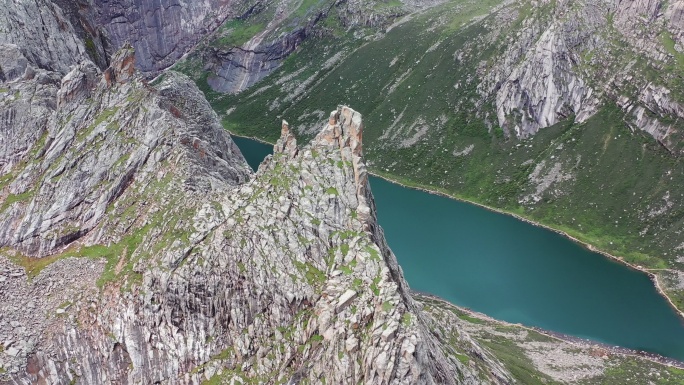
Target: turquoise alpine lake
(511, 270)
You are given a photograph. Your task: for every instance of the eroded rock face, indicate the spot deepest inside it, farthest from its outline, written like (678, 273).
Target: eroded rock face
(129, 220)
(86, 149)
(563, 63)
(162, 31)
(537, 83)
(543, 89)
(284, 278)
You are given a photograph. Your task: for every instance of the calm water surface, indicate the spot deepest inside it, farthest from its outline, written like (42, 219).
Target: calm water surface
(511, 270)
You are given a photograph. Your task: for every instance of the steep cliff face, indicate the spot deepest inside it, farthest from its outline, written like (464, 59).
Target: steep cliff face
(238, 68)
(163, 31)
(247, 49)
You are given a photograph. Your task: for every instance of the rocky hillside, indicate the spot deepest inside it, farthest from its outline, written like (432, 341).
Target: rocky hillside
(564, 112)
(148, 251)
(136, 245)
(239, 41)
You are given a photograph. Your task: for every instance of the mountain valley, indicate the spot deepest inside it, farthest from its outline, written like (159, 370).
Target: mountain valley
(138, 246)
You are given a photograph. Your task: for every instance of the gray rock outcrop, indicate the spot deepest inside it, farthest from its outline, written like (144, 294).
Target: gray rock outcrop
(565, 62)
(93, 136)
(163, 31)
(537, 82)
(238, 68)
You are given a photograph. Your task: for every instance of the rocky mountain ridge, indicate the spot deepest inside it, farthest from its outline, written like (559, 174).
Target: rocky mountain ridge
(258, 281)
(150, 257)
(136, 245)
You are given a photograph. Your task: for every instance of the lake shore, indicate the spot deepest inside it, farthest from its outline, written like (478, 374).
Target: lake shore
(254, 138)
(653, 277)
(576, 341)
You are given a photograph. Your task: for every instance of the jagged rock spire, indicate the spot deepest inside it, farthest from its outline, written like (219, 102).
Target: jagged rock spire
(122, 66)
(287, 143)
(345, 130)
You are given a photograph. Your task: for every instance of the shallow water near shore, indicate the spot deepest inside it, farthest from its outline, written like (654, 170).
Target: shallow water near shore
(511, 270)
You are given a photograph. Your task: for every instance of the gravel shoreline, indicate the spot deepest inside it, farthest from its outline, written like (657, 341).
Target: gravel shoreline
(577, 341)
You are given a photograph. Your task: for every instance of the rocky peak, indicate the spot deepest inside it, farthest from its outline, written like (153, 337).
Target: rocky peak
(122, 66)
(287, 143)
(345, 131)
